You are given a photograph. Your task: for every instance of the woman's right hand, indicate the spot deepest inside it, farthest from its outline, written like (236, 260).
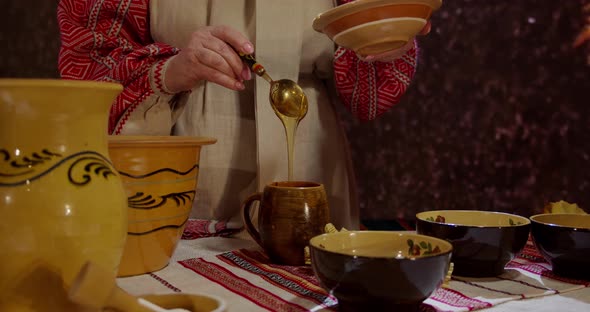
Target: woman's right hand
(210, 55)
(584, 35)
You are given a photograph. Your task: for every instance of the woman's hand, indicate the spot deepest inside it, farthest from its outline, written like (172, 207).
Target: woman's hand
(397, 53)
(210, 55)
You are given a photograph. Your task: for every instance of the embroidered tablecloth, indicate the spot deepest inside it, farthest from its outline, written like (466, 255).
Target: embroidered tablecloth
(239, 272)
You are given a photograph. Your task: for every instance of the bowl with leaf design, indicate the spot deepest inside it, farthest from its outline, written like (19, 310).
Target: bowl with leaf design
(160, 175)
(483, 241)
(564, 241)
(379, 270)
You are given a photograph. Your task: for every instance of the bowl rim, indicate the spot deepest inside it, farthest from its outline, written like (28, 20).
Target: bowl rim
(159, 140)
(526, 221)
(555, 225)
(58, 83)
(392, 233)
(221, 303)
(295, 184)
(325, 18)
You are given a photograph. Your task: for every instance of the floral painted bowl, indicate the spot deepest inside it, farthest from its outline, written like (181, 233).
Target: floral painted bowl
(483, 241)
(379, 270)
(160, 175)
(375, 26)
(564, 241)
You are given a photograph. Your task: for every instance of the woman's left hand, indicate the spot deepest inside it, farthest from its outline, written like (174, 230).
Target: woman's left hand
(392, 55)
(584, 36)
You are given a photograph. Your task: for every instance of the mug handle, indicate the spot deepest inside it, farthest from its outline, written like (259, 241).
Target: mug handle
(246, 206)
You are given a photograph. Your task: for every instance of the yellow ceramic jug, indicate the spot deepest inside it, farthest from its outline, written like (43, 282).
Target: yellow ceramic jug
(62, 202)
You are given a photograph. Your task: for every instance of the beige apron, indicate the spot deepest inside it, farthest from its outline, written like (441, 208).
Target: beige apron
(251, 150)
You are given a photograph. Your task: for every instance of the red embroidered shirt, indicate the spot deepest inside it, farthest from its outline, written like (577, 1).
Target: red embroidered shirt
(109, 40)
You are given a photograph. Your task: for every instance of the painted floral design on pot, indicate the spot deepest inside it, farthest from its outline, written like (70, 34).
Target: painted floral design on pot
(422, 248)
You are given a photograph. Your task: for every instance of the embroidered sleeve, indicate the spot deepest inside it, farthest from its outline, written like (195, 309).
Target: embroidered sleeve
(369, 89)
(109, 40)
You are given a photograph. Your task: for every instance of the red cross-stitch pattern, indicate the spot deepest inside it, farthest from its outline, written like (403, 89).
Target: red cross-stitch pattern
(369, 89)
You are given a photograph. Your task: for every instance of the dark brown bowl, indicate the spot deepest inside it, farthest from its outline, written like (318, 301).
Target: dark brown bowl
(564, 241)
(379, 270)
(483, 241)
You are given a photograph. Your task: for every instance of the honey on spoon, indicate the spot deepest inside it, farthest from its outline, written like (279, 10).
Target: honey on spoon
(287, 100)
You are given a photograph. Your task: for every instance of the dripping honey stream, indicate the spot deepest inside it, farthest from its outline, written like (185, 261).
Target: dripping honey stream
(288, 102)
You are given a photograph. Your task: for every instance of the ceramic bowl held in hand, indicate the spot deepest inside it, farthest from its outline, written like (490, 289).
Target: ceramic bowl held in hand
(375, 26)
(564, 241)
(483, 241)
(159, 175)
(379, 270)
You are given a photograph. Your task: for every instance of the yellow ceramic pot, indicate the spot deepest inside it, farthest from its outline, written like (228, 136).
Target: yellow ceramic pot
(160, 177)
(62, 203)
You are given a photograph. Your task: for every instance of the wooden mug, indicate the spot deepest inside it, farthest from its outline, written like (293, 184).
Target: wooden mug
(289, 215)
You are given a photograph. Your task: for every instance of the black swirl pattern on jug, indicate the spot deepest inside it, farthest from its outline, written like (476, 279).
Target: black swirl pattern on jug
(82, 167)
(163, 170)
(146, 201)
